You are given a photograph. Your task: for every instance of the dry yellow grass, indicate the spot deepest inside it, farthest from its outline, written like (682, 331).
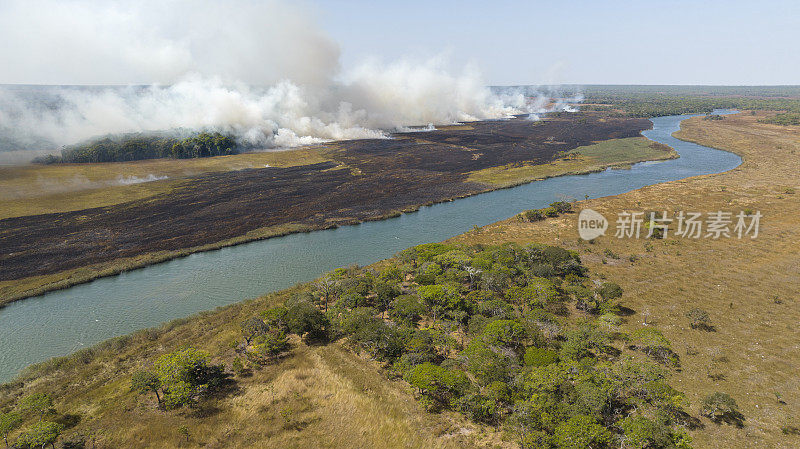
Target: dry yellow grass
(39, 189)
(750, 288)
(315, 397)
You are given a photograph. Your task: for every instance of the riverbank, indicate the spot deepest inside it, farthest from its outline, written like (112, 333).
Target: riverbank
(750, 287)
(344, 183)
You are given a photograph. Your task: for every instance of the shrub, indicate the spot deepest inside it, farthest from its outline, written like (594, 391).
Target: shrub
(540, 356)
(305, 320)
(561, 207)
(252, 328)
(533, 215)
(550, 212)
(270, 345)
(609, 291)
(643, 433)
(581, 432)
(480, 408)
(441, 387)
(720, 407)
(238, 366)
(407, 309)
(41, 434)
(699, 319)
(653, 343)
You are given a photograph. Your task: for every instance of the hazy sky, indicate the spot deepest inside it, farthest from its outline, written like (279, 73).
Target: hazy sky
(586, 41)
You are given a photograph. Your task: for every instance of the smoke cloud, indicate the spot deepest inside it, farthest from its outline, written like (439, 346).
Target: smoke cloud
(260, 70)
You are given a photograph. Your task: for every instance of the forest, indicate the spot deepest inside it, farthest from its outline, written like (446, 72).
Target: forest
(654, 101)
(134, 147)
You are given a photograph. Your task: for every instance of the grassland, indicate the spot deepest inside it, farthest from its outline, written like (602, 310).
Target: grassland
(749, 287)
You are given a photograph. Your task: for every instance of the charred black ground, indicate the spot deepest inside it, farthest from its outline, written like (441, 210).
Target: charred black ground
(368, 179)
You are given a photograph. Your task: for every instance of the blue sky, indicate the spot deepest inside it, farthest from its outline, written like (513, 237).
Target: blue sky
(584, 42)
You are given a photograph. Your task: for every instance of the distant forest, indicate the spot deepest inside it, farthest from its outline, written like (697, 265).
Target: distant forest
(655, 101)
(133, 147)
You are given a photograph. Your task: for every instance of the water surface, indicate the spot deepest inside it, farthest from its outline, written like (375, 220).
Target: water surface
(61, 322)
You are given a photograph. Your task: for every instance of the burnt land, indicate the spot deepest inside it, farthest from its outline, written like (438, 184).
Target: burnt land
(366, 179)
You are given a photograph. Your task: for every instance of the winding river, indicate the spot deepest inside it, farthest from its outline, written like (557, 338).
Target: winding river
(62, 322)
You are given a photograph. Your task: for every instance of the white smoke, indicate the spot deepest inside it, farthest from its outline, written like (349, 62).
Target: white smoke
(128, 180)
(262, 71)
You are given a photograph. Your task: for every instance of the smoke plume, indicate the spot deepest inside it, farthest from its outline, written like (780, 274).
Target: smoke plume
(263, 71)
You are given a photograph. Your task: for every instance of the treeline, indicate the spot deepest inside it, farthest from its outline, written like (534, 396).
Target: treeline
(488, 331)
(785, 119)
(659, 104)
(133, 147)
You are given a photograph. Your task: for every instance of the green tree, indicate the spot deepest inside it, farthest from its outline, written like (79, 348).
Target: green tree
(540, 356)
(385, 293)
(307, 321)
(270, 345)
(439, 299)
(252, 328)
(182, 374)
(581, 432)
(644, 433)
(40, 435)
(407, 309)
(537, 293)
(144, 382)
(8, 423)
(441, 387)
(275, 317)
(328, 289)
(720, 407)
(506, 333)
(486, 364)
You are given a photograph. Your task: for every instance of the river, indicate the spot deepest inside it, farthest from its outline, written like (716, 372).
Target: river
(61, 322)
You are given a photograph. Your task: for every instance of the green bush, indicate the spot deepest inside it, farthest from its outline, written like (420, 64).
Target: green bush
(720, 407)
(305, 320)
(609, 291)
(41, 434)
(540, 356)
(441, 387)
(407, 309)
(581, 432)
(644, 433)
